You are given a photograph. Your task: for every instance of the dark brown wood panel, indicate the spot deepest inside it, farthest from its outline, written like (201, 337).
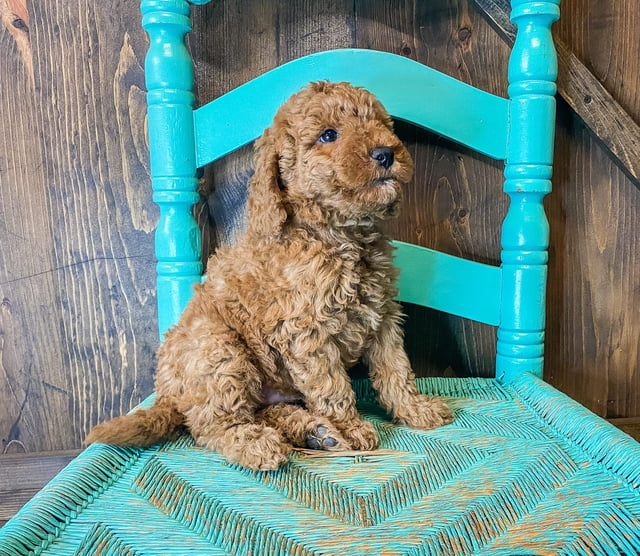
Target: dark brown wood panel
(594, 325)
(76, 276)
(22, 476)
(604, 36)
(593, 336)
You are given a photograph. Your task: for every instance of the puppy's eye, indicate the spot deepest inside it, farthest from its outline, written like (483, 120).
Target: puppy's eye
(328, 136)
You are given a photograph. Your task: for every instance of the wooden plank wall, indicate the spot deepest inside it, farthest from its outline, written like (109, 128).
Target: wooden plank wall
(594, 321)
(77, 316)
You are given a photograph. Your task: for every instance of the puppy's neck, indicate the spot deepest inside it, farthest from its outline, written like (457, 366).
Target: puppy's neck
(335, 230)
(363, 223)
(312, 215)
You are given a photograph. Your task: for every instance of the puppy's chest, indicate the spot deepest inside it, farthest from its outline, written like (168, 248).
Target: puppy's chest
(336, 293)
(363, 290)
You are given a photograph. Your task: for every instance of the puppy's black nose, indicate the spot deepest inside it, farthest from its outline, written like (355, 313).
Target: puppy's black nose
(383, 156)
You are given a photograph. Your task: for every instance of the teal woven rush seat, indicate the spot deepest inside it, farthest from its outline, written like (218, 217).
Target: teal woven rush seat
(523, 469)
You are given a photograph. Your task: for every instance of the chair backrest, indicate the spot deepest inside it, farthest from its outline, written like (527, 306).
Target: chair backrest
(518, 130)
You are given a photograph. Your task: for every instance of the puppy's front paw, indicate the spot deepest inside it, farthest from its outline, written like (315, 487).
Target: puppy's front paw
(424, 412)
(361, 435)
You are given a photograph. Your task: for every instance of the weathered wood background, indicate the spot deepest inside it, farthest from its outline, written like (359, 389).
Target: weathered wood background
(77, 316)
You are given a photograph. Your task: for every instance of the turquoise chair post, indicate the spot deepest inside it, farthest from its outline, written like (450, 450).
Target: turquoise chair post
(525, 231)
(169, 78)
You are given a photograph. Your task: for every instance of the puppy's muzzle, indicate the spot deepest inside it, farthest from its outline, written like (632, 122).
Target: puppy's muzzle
(383, 156)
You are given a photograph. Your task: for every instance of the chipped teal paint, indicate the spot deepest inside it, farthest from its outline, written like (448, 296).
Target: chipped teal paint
(409, 91)
(451, 284)
(169, 78)
(525, 230)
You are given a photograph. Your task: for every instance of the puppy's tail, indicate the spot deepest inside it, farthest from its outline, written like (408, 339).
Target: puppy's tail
(143, 428)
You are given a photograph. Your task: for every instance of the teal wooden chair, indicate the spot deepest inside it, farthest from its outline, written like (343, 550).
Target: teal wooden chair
(522, 470)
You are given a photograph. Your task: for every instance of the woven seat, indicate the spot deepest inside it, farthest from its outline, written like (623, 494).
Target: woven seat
(523, 469)
(518, 472)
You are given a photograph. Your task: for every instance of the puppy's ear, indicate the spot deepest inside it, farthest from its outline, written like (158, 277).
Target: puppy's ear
(267, 213)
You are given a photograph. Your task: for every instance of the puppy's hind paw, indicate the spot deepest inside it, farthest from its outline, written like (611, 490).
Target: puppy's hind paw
(424, 412)
(253, 446)
(326, 438)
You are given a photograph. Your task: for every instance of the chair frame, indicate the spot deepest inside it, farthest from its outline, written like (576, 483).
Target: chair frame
(518, 130)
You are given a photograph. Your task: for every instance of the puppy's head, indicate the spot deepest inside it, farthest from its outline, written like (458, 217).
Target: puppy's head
(331, 154)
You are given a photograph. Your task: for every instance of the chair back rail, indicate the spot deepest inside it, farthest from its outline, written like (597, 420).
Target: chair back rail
(409, 91)
(451, 284)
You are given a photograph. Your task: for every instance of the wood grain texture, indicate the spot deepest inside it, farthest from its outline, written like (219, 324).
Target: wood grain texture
(594, 336)
(593, 333)
(603, 35)
(611, 124)
(76, 271)
(77, 312)
(22, 476)
(584, 93)
(15, 19)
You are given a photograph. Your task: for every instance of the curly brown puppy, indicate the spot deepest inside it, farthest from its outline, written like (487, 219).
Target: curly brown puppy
(305, 293)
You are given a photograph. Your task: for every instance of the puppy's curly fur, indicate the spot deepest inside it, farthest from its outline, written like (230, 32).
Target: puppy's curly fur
(305, 293)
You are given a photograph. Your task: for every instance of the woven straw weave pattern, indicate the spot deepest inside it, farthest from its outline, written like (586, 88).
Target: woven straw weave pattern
(507, 477)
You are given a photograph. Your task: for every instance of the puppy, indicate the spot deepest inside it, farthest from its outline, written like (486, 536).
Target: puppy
(305, 293)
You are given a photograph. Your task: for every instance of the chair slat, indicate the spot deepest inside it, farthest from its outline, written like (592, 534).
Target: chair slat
(409, 91)
(458, 286)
